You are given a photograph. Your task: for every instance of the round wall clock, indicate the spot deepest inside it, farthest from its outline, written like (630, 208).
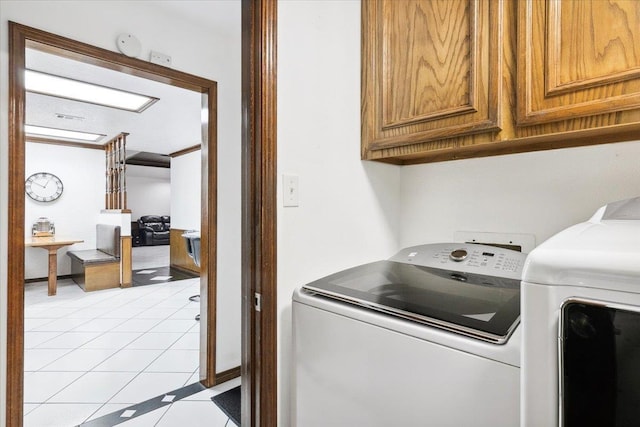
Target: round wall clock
(43, 187)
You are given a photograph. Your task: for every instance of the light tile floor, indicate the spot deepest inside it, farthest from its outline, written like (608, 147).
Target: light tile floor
(91, 354)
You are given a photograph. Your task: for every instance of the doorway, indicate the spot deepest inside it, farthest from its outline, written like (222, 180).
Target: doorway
(259, 361)
(21, 38)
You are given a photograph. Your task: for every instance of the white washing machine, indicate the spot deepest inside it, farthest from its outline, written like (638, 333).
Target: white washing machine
(581, 324)
(429, 337)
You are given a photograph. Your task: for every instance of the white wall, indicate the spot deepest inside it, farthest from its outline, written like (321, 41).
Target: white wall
(195, 49)
(76, 212)
(353, 212)
(348, 211)
(148, 191)
(537, 193)
(229, 62)
(186, 183)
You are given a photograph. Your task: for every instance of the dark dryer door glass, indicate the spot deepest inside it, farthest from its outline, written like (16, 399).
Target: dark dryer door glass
(483, 307)
(599, 365)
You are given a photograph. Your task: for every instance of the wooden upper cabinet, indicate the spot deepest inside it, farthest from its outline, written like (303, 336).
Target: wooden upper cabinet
(430, 72)
(451, 79)
(577, 58)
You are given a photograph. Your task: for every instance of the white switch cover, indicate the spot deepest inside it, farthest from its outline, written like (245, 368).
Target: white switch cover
(289, 190)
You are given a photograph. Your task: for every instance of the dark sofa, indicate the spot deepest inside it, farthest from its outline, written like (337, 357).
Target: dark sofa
(154, 230)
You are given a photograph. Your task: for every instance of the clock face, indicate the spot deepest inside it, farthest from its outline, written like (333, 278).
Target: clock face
(43, 187)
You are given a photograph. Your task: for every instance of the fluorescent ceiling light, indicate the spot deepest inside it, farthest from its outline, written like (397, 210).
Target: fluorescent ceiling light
(61, 133)
(47, 84)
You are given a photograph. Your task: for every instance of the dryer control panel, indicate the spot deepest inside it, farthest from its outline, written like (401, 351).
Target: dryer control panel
(465, 257)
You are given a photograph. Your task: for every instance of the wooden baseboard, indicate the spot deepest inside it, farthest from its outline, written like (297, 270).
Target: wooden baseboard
(185, 270)
(227, 375)
(44, 279)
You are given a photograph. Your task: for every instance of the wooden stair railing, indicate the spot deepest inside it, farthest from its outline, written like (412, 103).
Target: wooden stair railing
(116, 172)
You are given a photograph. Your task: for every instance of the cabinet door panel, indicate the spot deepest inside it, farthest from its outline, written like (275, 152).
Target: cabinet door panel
(428, 61)
(430, 70)
(577, 58)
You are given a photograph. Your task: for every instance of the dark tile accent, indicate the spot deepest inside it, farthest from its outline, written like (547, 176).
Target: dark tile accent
(145, 407)
(145, 279)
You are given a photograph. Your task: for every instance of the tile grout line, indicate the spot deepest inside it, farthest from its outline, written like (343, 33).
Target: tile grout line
(103, 315)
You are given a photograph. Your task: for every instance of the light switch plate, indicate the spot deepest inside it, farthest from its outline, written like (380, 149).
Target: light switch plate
(160, 58)
(290, 190)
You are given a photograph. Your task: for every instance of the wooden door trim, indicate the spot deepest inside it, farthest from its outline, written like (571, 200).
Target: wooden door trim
(15, 258)
(20, 37)
(259, 213)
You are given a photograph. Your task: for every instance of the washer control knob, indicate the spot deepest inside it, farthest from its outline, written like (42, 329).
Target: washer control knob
(458, 255)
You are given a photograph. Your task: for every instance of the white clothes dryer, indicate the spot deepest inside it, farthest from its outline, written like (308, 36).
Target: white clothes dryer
(581, 324)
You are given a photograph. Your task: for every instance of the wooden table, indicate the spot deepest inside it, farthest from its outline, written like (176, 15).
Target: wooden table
(51, 244)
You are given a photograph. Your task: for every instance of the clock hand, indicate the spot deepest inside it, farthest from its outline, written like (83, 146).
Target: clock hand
(37, 183)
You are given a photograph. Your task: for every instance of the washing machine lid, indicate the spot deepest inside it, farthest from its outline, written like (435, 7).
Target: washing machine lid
(603, 252)
(479, 306)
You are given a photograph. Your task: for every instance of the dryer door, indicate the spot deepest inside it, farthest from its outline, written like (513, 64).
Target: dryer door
(599, 360)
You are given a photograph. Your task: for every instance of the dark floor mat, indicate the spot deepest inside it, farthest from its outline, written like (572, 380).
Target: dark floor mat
(155, 275)
(229, 403)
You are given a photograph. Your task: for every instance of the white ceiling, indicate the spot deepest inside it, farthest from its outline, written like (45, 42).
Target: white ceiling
(171, 124)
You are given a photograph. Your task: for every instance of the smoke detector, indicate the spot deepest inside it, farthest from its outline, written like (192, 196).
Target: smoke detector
(129, 45)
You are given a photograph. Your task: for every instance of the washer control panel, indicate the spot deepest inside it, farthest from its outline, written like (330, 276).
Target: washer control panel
(465, 257)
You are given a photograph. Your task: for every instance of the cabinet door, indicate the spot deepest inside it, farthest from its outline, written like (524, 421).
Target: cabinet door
(577, 58)
(431, 71)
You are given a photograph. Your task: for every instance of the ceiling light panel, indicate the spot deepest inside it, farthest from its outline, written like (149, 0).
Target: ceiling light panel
(62, 87)
(46, 132)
